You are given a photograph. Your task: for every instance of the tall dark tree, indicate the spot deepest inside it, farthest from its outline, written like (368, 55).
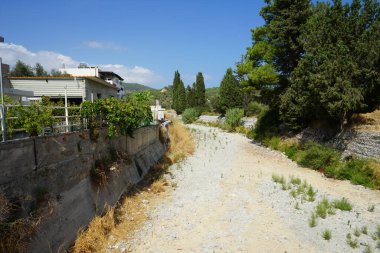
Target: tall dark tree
(21, 69)
(275, 50)
(230, 94)
(181, 98)
(200, 90)
(179, 94)
(339, 72)
(39, 70)
(285, 20)
(176, 84)
(190, 96)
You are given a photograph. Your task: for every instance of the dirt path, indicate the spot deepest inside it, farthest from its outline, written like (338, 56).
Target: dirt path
(226, 201)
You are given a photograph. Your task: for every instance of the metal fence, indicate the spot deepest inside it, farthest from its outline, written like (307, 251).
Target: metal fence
(65, 119)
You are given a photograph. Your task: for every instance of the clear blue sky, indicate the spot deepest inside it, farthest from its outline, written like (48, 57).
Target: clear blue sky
(158, 36)
(144, 41)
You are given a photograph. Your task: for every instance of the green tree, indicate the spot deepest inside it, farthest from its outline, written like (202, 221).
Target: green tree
(190, 96)
(39, 70)
(200, 90)
(181, 98)
(339, 73)
(179, 94)
(21, 69)
(176, 84)
(230, 94)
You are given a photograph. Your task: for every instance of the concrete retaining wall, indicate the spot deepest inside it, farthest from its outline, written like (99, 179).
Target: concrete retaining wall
(59, 168)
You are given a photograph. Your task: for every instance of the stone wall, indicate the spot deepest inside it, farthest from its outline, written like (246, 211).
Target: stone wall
(59, 168)
(363, 144)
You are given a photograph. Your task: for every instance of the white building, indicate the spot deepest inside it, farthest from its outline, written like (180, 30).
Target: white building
(77, 89)
(85, 71)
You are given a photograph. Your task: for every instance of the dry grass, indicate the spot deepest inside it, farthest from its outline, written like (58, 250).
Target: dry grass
(119, 223)
(367, 121)
(181, 141)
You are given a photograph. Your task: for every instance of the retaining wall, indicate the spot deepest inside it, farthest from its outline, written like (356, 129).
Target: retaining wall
(58, 170)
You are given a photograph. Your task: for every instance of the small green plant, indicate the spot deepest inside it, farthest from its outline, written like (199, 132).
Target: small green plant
(297, 206)
(295, 180)
(364, 230)
(317, 156)
(322, 208)
(311, 193)
(313, 220)
(278, 179)
(353, 243)
(342, 204)
(377, 233)
(371, 208)
(357, 232)
(326, 234)
(367, 249)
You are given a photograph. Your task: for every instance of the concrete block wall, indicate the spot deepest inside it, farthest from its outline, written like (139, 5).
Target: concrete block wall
(60, 165)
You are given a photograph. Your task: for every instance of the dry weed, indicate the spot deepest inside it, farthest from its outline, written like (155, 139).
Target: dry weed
(95, 236)
(181, 141)
(367, 121)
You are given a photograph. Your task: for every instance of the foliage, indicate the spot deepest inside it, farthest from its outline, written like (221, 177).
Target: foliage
(200, 90)
(35, 117)
(317, 156)
(266, 125)
(122, 116)
(233, 118)
(230, 95)
(179, 94)
(326, 234)
(256, 109)
(338, 74)
(190, 115)
(342, 204)
(21, 69)
(212, 95)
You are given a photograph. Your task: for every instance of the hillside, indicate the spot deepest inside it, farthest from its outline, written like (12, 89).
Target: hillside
(133, 87)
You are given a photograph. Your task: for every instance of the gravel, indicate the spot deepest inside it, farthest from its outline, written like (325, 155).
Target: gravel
(226, 201)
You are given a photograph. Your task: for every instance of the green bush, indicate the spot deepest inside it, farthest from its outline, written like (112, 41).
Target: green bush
(256, 109)
(317, 156)
(190, 115)
(266, 125)
(233, 118)
(357, 171)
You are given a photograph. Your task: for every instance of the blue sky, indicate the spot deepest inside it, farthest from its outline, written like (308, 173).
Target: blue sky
(143, 40)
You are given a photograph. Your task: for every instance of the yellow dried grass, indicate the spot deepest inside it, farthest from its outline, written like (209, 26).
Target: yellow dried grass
(367, 121)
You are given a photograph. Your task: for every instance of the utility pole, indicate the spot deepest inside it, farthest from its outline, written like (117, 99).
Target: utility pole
(3, 123)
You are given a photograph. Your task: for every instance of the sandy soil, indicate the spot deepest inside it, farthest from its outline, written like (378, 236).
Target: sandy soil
(226, 201)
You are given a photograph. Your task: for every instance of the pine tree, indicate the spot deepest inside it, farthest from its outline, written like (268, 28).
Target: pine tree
(200, 90)
(230, 95)
(39, 70)
(190, 96)
(176, 84)
(21, 69)
(181, 98)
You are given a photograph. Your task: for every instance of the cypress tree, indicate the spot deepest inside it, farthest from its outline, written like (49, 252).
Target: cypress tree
(200, 90)
(181, 98)
(176, 84)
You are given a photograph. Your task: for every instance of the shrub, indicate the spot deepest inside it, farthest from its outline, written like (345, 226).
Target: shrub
(326, 234)
(190, 115)
(317, 156)
(256, 109)
(359, 171)
(233, 118)
(342, 204)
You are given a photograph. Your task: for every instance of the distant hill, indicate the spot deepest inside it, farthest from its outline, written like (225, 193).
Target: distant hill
(135, 87)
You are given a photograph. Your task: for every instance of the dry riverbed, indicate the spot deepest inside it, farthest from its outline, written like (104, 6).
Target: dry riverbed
(225, 200)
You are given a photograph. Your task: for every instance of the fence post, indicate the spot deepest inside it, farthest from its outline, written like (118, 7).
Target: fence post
(3, 114)
(66, 111)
